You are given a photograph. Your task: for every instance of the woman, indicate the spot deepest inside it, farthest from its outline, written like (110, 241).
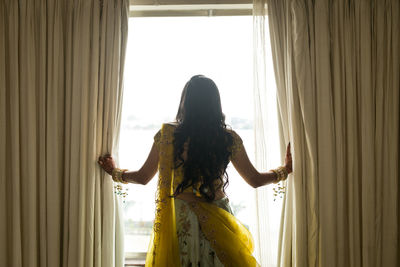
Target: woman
(194, 225)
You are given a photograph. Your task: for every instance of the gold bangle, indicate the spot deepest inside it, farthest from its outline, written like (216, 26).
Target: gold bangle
(117, 175)
(281, 174)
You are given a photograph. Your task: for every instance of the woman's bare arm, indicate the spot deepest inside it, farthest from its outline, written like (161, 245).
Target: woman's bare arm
(246, 169)
(146, 172)
(142, 176)
(253, 177)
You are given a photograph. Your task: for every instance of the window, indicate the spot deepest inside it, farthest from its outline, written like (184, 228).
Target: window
(162, 54)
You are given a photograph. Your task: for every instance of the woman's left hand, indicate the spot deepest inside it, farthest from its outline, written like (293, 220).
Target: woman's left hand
(107, 163)
(288, 160)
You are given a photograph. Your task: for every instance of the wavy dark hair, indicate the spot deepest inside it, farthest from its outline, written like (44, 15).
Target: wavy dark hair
(201, 124)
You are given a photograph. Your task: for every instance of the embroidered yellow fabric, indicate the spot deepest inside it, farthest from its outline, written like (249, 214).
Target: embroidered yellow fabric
(231, 241)
(164, 249)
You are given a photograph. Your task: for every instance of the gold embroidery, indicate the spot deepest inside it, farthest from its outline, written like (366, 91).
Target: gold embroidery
(237, 144)
(164, 249)
(208, 230)
(222, 230)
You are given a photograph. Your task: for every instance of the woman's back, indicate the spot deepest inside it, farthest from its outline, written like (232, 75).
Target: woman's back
(200, 229)
(192, 192)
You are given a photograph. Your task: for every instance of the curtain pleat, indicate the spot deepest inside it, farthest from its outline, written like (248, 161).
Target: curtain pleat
(337, 73)
(61, 66)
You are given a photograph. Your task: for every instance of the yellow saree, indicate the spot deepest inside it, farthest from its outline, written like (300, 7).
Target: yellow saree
(231, 241)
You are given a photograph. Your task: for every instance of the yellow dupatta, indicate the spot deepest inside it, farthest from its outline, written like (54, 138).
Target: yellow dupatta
(231, 241)
(164, 248)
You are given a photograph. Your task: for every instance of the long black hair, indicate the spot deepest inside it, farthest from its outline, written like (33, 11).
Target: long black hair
(201, 124)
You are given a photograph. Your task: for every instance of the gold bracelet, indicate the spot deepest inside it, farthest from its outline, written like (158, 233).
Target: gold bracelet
(281, 174)
(117, 175)
(280, 189)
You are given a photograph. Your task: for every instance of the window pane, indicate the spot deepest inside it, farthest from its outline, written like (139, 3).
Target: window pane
(162, 55)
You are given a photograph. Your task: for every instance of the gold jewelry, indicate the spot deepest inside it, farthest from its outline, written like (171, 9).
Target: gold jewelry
(281, 174)
(121, 191)
(117, 175)
(280, 188)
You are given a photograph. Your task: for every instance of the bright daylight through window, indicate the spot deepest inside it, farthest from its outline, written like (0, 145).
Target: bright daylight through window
(162, 55)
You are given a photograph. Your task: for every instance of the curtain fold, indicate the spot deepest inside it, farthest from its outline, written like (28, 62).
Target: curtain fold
(337, 69)
(61, 66)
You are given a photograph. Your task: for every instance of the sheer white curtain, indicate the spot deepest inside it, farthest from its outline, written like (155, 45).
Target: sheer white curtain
(267, 149)
(61, 66)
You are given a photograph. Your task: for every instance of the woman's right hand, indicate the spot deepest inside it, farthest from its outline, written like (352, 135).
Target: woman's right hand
(107, 163)
(288, 160)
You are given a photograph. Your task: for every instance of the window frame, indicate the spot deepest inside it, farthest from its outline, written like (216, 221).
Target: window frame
(188, 8)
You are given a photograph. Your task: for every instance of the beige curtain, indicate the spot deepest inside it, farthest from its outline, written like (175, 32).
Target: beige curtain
(61, 66)
(337, 68)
